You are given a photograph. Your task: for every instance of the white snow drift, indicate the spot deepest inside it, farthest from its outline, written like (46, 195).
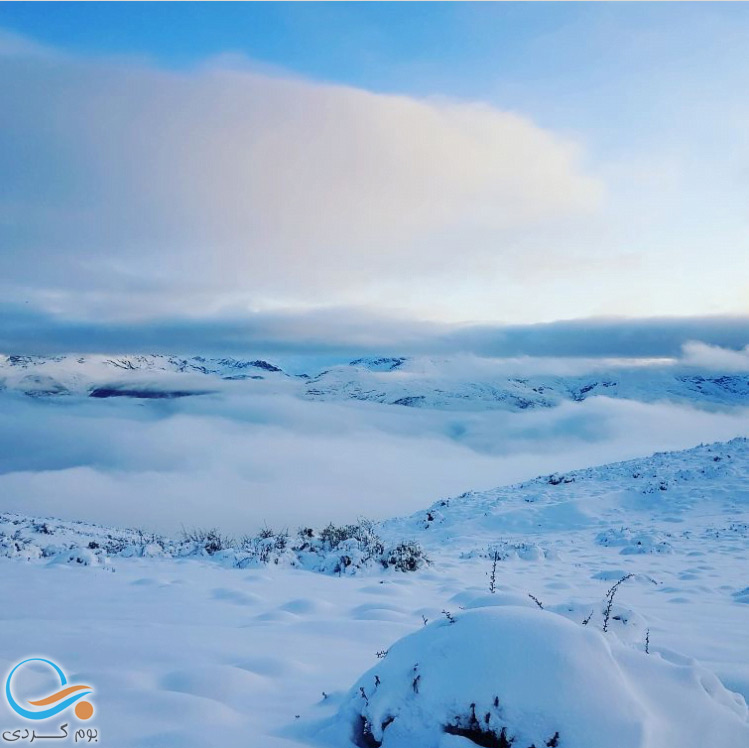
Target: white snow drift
(510, 676)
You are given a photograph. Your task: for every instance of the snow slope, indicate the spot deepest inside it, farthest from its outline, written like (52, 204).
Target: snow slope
(192, 650)
(652, 505)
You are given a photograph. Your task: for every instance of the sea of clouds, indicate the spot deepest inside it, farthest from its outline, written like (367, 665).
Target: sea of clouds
(247, 456)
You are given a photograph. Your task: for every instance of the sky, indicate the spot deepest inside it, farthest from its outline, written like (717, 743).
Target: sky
(354, 174)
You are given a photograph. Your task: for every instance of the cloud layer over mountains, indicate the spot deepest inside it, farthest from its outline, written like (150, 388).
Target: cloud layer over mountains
(344, 333)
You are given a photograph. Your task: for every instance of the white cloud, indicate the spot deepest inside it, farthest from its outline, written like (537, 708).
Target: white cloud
(287, 462)
(226, 183)
(713, 357)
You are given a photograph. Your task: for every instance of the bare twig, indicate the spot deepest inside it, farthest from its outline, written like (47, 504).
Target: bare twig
(610, 600)
(493, 575)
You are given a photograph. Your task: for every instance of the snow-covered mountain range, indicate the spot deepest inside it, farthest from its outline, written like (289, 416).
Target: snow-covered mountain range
(144, 376)
(457, 383)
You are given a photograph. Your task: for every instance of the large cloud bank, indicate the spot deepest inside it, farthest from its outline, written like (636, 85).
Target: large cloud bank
(241, 461)
(132, 189)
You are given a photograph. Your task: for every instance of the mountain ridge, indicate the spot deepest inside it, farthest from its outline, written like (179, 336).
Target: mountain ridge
(445, 384)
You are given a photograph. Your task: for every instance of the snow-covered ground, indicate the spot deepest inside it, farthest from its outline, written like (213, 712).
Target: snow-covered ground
(187, 646)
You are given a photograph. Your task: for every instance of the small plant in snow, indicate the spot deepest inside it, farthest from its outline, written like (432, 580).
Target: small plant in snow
(610, 600)
(209, 540)
(493, 574)
(344, 549)
(363, 533)
(336, 549)
(266, 547)
(450, 617)
(405, 556)
(536, 600)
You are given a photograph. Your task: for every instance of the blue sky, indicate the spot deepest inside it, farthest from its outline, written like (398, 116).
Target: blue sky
(492, 163)
(369, 44)
(510, 54)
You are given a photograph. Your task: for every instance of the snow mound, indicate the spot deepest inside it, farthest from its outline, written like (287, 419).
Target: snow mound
(514, 676)
(634, 542)
(507, 550)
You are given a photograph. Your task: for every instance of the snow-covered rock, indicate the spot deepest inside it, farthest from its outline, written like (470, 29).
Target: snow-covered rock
(515, 676)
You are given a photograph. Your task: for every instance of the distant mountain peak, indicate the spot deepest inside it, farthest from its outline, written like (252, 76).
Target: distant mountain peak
(383, 363)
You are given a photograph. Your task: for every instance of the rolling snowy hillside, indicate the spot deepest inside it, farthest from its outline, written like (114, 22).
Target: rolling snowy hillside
(626, 583)
(644, 506)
